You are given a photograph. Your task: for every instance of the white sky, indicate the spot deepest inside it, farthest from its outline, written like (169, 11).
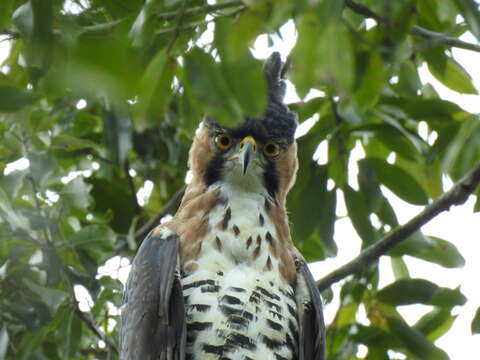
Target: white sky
(459, 225)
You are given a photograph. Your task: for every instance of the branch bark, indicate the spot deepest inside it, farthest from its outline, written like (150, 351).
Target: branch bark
(86, 318)
(418, 31)
(171, 205)
(457, 195)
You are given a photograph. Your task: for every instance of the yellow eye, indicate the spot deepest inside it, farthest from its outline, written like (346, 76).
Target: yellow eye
(223, 141)
(271, 149)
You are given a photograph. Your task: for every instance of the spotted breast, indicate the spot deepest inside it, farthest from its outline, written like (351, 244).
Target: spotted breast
(238, 304)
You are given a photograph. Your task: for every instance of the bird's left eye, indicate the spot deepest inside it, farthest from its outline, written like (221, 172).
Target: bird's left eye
(271, 149)
(223, 141)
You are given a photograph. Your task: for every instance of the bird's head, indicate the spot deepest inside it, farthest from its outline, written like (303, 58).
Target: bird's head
(259, 155)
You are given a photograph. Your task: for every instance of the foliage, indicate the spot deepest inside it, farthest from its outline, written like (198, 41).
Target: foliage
(101, 96)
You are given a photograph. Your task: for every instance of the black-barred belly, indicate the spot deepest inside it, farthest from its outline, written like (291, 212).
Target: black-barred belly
(239, 315)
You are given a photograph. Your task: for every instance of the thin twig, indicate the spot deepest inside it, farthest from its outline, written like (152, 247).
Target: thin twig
(193, 25)
(457, 195)
(443, 39)
(180, 18)
(86, 318)
(11, 34)
(199, 10)
(418, 31)
(131, 186)
(172, 204)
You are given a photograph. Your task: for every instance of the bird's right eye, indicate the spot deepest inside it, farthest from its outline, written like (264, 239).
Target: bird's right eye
(223, 141)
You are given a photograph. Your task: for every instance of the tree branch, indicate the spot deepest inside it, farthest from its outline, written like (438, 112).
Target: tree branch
(418, 31)
(457, 195)
(86, 318)
(10, 34)
(169, 206)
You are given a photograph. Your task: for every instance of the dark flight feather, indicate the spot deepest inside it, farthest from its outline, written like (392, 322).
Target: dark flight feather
(153, 314)
(312, 325)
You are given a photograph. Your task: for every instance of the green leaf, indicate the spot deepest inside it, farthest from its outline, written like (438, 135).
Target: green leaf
(431, 249)
(322, 56)
(50, 296)
(306, 110)
(398, 181)
(4, 340)
(415, 341)
(371, 83)
(409, 82)
(248, 26)
(429, 175)
(34, 20)
(313, 213)
(434, 110)
(448, 71)
(243, 74)
(98, 236)
(476, 323)
(155, 90)
(401, 15)
(391, 137)
(411, 291)
(7, 7)
(435, 323)
(400, 269)
(142, 28)
(210, 88)
(444, 297)
(469, 10)
(23, 20)
(111, 197)
(42, 167)
(14, 219)
(118, 133)
(13, 99)
(359, 214)
(30, 342)
(76, 193)
(345, 315)
(407, 291)
(71, 143)
(73, 335)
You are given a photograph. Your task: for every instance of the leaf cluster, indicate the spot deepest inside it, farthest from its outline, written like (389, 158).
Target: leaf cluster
(99, 99)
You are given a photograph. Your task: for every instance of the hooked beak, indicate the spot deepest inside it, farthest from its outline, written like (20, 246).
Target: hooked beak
(248, 147)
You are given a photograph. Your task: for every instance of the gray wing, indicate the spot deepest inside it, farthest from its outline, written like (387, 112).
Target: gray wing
(153, 314)
(310, 315)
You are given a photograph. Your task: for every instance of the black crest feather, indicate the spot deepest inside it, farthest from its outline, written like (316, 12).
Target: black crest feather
(278, 120)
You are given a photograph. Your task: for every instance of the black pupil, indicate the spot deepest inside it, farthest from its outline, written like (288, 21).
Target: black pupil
(224, 140)
(270, 148)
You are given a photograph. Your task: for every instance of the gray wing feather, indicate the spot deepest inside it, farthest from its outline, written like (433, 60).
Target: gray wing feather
(312, 325)
(153, 314)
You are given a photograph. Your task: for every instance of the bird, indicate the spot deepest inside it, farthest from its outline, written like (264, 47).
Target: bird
(222, 279)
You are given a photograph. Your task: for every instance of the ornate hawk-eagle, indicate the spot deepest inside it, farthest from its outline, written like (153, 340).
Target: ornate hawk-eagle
(222, 279)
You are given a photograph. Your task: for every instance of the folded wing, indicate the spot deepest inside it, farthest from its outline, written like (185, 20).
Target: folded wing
(153, 314)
